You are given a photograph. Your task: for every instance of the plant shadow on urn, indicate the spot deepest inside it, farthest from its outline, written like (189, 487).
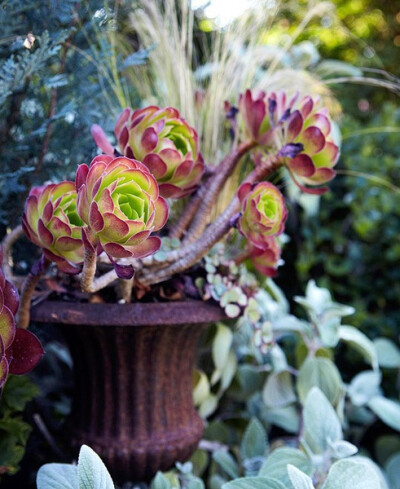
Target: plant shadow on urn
(133, 365)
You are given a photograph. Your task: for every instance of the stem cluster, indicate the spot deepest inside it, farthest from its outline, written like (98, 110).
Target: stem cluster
(197, 234)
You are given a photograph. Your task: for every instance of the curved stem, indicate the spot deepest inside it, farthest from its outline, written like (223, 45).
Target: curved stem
(187, 215)
(28, 288)
(213, 234)
(7, 245)
(126, 289)
(189, 255)
(89, 270)
(27, 291)
(223, 171)
(104, 280)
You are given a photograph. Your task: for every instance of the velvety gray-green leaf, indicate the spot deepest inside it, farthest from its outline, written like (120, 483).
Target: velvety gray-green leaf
(299, 479)
(227, 463)
(160, 482)
(57, 476)
(277, 462)
(254, 442)
(255, 483)
(360, 342)
(321, 373)
(387, 410)
(349, 474)
(364, 386)
(388, 353)
(393, 471)
(278, 390)
(92, 473)
(321, 423)
(286, 417)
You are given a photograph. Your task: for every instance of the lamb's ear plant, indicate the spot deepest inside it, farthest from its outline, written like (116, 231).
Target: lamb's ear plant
(304, 395)
(89, 473)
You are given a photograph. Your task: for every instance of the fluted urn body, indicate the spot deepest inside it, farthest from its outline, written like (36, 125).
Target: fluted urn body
(133, 366)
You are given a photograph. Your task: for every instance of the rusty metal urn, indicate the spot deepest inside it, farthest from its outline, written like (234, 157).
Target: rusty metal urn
(133, 366)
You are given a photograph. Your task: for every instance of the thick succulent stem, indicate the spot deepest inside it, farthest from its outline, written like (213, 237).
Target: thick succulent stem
(27, 291)
(194, 253)
(89, 270)
(212, 189)
(187, 215)
(28, 288)
(6, 246)
(126, 289)
(189, 255)
(104, 280)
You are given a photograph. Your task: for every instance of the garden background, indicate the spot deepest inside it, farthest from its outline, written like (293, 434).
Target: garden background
(65, 65)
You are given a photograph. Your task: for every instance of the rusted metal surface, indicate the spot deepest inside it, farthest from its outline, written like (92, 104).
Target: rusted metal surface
(133, 385)
(135, 314)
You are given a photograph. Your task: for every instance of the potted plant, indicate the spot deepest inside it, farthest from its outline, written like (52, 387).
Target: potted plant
(119, 223)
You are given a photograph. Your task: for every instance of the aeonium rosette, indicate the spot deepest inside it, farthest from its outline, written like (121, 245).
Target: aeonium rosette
(51, 222)
(300, 130)
(266, 260)
(309, 144)
(262, 114)
(263, 213)
(119, 201)
(164, 142)
(20, 350)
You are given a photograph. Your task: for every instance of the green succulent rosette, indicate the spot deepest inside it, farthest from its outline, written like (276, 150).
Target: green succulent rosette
(119, 201)
(51, 222)
(164, 142)
(266, 260)
(263, 213)
(308, 130)
(299, 130)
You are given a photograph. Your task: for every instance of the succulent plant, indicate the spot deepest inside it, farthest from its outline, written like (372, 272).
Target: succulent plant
(164, 142)
(309, 128)
(266, 260)
(263, 114)
(20, 350)
(118, 200)
(299, 129)
(263, 213)
(51, 222)
(229, 284)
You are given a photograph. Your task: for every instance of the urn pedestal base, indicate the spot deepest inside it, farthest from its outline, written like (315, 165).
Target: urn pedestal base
(133, 366)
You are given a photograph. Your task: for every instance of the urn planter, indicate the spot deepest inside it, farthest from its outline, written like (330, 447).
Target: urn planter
(133, 366)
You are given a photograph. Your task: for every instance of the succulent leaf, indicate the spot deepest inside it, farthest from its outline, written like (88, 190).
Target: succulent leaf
(164, 142)
(263, 213)
(51, 222)
(119, 201)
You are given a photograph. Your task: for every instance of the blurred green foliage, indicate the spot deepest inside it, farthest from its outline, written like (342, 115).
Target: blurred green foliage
(52, 90)
(365, 33)
(352, 244)
(14, 430)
